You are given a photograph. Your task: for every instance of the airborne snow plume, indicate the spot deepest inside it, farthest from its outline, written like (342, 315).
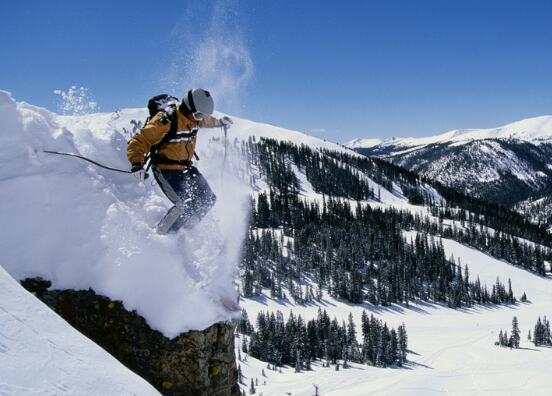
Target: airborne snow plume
(76, 101)
(213, 55)
(84, 227)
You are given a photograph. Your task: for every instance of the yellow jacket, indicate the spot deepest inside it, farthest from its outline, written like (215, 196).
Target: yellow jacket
(181, 148)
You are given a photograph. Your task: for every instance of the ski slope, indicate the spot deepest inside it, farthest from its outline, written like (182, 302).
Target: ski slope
(452, 351)
(41, 354)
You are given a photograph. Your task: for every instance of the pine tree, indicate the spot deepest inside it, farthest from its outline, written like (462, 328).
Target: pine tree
(298, 361)
(381, 348)
(252, 388)
(393, 347)
(538, 333)
(511, 298)
(546, 336)
(351, 330)
(515, 333)
(403, 343)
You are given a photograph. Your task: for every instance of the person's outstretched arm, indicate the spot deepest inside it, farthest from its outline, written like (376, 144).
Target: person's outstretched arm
(212, 122)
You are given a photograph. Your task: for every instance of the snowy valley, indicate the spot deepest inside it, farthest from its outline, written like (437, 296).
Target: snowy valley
(305, 224)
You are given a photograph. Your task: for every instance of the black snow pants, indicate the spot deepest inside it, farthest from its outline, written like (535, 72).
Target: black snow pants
(191, 195)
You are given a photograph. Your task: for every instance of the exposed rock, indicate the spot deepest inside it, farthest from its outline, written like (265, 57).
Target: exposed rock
(194, 363)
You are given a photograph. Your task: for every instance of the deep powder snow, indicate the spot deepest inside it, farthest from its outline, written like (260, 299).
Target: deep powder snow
(84, 227)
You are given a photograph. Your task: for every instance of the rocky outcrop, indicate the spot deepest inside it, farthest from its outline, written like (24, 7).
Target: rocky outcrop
(194, 363)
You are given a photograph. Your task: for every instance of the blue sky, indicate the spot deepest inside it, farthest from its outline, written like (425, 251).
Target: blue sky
(336, 69)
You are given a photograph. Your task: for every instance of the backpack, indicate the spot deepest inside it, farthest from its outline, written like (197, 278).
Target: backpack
(167, 104)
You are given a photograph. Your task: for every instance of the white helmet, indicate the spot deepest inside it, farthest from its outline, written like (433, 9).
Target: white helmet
(199, 102)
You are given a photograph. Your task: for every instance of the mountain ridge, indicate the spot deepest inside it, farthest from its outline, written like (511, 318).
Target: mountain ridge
(534, 129)
(507, 165)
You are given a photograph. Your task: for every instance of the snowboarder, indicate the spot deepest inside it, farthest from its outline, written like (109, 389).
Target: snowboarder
(169, 138)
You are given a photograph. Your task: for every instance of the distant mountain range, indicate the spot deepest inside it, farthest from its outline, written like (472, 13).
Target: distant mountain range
(535, 130)
(510, 165)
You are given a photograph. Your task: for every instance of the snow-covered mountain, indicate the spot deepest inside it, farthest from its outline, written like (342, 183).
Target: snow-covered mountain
(82, 227)
(453, 351)
(505, 165)
(363, 143)
(534, 130)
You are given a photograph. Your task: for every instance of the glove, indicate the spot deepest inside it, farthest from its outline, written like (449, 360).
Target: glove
(139, 172)
(226, 121)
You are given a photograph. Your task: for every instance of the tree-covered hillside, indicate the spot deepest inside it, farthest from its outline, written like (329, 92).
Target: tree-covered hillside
(352, 244)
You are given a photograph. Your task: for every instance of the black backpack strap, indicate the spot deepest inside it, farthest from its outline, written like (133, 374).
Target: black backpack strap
(174, 126)
(171, 117)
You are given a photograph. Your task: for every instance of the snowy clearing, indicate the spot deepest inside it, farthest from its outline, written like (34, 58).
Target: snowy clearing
(453, 351)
